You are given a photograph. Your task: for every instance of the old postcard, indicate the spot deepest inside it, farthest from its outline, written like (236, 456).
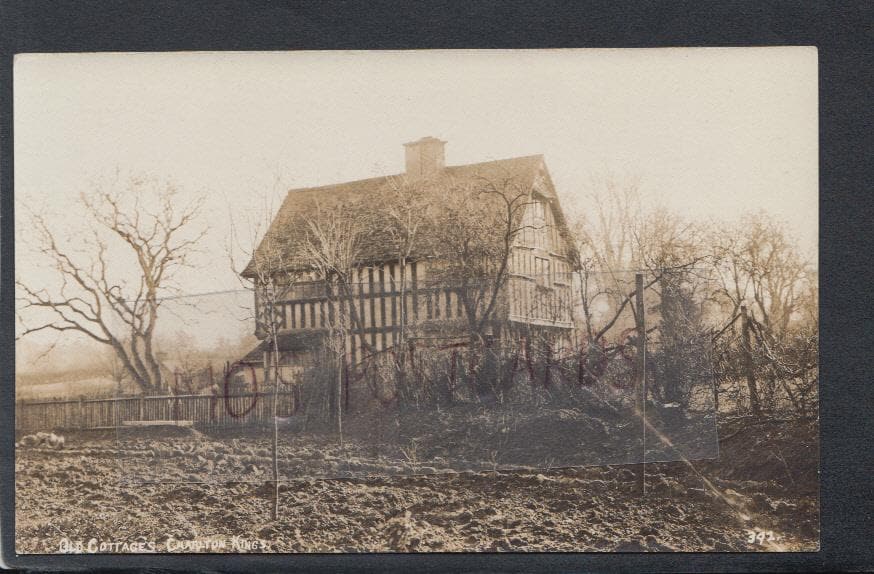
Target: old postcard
(417, 301)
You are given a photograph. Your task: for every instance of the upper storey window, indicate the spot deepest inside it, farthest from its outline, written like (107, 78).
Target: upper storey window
(535, 225)
(542, 272)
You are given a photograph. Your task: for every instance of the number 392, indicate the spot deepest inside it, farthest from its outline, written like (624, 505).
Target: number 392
(760, 536)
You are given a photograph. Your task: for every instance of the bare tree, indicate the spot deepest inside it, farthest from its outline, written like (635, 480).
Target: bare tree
(115, 370)
(606, 225)
(760, 271)
(608, 221)
(332, 247)
(110, 289)
(269, 274)
(776, 271)
(404, 214)
(485, 218)
(190, 362)
(758, 263)
(615, 238)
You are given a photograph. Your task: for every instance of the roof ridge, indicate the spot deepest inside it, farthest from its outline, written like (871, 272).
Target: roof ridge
(339, 183)
(515, 158)
(385, 177)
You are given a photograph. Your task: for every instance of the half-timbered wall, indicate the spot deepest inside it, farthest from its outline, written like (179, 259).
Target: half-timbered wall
(540, 277)
(374, 310)
(538, 293)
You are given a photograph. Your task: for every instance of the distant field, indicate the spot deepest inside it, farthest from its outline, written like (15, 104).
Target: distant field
(65, 389)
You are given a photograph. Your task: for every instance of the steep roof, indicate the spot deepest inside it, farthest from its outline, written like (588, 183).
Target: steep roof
(300, 204)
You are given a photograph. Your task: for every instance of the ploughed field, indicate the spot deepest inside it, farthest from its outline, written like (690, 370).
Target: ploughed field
(183, 490)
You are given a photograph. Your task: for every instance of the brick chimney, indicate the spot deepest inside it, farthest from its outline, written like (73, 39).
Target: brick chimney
(424, 157)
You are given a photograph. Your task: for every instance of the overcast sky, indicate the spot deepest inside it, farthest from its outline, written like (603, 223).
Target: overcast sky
(708, 132)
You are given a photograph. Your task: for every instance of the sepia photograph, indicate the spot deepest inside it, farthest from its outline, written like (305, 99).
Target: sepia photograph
(554, 300)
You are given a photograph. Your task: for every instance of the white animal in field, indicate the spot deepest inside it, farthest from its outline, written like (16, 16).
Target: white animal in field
(41, 438)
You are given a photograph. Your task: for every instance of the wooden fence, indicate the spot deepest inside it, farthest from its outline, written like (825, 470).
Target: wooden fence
(202, 410)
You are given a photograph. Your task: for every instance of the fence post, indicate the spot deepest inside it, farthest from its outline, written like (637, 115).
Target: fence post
(140, 408)
(640, 387)
(81, 412)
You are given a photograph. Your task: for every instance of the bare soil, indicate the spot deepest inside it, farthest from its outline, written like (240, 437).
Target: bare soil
(167, 486)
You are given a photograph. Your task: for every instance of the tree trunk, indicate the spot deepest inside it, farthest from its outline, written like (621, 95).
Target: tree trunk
(749, 363)
(401, 361)
(275, 340)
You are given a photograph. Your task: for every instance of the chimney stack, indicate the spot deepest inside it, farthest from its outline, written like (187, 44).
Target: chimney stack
(424, 157)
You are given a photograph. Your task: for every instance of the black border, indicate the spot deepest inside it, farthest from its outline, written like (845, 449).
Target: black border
(844, 35)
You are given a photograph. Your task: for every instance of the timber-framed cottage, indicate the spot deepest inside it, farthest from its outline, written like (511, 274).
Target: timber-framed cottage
(536, 295)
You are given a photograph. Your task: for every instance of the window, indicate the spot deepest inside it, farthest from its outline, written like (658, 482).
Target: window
(538, 224)
(534, 225)
(542, 272)
(561, 273)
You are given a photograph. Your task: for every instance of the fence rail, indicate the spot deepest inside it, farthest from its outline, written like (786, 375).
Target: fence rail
(203, 410)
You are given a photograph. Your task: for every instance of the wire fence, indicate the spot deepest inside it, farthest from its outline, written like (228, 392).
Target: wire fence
(524, 395)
